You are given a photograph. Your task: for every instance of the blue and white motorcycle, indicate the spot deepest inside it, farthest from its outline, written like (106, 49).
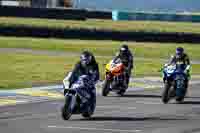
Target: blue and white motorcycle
(80, 98)
(175, 79)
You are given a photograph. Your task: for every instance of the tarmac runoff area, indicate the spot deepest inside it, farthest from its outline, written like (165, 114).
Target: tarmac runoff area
(38, 94)
(140, 110)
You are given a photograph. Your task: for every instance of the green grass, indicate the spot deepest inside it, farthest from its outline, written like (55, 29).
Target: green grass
(19, 70)
(24, 70)
(144, 26)
(107, 48)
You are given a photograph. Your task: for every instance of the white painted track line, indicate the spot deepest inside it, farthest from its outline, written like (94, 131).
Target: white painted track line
(93, 129)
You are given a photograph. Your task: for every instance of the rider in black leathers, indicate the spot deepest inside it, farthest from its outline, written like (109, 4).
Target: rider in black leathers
(86, 66)
(127, 59)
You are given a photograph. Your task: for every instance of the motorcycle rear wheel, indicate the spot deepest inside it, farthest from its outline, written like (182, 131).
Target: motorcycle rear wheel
(183, 87)
(121, 92)
(89, 113)
(180, 99)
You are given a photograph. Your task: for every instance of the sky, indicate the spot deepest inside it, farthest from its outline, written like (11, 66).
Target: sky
(141, 5)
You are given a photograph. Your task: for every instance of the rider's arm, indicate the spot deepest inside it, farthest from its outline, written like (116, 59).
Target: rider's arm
(187, 59)
(131, 61)
(75, 74)
(172, 60)
(115, 58)
(96, 73)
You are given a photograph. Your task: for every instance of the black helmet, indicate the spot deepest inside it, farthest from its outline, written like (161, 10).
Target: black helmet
(86, 58)
(124, 49)
(179, 51)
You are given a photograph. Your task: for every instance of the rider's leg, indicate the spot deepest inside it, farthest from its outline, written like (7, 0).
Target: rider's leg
(128, 77)
(186, 83)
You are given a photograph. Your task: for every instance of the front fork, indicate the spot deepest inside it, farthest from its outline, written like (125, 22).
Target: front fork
(118, 78)
(72, 101)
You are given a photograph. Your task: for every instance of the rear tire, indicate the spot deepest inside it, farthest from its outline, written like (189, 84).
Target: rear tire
(91, 110)
(165, 94)
(179, 99)
(121, 92)
(182, 93)
(106, 88)
(87, 115)
(66, 111)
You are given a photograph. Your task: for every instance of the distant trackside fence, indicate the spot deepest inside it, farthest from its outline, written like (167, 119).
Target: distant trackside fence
(118, 15)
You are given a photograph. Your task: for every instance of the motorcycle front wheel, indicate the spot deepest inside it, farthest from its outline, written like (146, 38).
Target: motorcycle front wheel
(106, 88)
(165, 94)
(66, 110)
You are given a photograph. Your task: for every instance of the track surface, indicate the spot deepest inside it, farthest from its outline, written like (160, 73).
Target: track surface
(136, 112)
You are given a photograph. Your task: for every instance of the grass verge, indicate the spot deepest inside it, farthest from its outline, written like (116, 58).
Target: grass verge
(101, 48)
(19, 70)
(26, 70)
(137, 26)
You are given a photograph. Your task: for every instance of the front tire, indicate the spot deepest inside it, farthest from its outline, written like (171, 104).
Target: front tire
(106, 88)
(66, 111)
(165, 94)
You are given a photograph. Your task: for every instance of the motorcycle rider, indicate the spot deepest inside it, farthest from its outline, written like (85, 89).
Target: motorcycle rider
(127, 59)
(181, 58)
(86, 66)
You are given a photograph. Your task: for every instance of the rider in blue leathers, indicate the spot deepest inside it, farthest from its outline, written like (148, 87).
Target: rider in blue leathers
(181, 58)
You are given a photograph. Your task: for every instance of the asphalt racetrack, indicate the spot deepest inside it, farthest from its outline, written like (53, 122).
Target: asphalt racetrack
(136, 112)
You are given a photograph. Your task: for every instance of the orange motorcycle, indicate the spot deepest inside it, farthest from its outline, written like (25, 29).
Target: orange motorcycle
(115, 78)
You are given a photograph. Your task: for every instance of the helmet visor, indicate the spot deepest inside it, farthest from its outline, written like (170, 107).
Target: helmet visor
(85, 60)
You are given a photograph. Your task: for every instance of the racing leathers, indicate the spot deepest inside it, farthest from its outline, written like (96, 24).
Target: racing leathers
(127, 60)
(183, 59)
(92, 70)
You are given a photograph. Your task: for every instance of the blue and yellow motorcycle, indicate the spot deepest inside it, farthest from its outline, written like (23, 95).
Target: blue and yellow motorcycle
(175, 78)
